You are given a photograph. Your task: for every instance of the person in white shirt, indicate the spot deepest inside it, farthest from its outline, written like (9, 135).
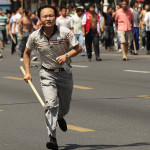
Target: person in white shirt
(12, 31)
(147, 21)
(76, 25)
(16, 19)
(63, 20)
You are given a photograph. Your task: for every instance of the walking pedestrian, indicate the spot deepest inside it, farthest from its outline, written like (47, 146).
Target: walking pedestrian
(143, 25)
(12, 32)
(109, 29)
(124, 22)
(91, 30)
(27, 27)
(76, 25)
(56, 83)
(147, 22)
(134, 6)
(63, 20)
(16, 21)
(3, 22)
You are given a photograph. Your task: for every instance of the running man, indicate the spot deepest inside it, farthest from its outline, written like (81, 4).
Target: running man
(56, 83)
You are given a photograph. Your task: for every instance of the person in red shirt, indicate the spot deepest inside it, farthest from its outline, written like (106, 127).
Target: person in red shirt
(91, 29)
(125, 26)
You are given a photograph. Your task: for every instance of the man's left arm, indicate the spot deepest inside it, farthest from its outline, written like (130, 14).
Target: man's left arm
(75, 51)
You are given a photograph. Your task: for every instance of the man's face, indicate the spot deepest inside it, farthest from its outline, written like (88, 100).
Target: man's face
(80, 13)
(92, 9)
(47, 17)
(124, 5)
(110, 10)
(146, 7)
(29, 14)
(20, 10)
(64, 12)
(136, 5)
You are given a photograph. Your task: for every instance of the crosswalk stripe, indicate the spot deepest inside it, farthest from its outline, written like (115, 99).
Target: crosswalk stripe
(79, 129)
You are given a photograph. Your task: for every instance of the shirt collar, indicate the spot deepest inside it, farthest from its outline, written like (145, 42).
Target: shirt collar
(55, 30)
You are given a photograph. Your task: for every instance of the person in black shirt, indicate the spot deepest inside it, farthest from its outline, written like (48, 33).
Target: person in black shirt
(109, 29)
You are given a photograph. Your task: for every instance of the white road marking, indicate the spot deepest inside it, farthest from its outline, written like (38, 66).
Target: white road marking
(79, 66)
(137, 71)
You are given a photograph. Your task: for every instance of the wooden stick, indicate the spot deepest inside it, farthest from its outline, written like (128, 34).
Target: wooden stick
(135, 51)
(34, 90)
(12, 38)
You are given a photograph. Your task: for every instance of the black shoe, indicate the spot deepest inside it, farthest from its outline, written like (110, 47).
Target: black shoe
(62, 124)
(98, 59)
(131, 53)
(52, 144)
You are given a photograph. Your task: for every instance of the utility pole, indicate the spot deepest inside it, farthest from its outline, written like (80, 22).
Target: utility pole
(22, 4)
(106, 4)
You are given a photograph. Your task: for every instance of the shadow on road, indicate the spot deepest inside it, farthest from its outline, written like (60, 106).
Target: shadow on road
(97, 147)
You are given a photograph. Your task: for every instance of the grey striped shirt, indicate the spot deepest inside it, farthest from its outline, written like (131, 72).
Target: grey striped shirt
(58, 45)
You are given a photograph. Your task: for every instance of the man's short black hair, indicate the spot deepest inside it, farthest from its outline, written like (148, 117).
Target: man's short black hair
(47, 6)
(63, 7)
(26, 11)
(92, 5)
(125, 1)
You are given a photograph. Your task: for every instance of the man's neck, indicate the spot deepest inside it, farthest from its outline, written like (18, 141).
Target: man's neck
(125, 9)
(48, 31)
(64, 17)
(92, 13)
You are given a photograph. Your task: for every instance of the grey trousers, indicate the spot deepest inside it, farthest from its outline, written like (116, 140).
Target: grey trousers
(57, 90)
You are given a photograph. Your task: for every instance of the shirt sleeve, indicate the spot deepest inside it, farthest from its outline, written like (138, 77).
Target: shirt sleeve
(72, 39)
(146, 17)
(84, 20)
(30, 43)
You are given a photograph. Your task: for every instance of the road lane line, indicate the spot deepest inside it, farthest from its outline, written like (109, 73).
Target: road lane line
(137, 71)
(79, 129)
(144, 96)
(75, 86)
(82, 87)
(13, 78)
(79, 66)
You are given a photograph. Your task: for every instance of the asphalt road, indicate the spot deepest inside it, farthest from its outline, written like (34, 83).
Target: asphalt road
(110, 106)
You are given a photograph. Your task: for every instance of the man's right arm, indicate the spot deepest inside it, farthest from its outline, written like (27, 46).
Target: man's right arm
(26, 60)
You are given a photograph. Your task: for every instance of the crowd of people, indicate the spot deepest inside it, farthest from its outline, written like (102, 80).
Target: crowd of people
(123, 28)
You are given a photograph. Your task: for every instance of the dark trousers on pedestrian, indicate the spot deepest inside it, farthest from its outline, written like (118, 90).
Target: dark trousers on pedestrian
(23, 42)
(136, 39)
(13, 46)
(109, 36)
(92, 37)
(143, 31)
(148, 41)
